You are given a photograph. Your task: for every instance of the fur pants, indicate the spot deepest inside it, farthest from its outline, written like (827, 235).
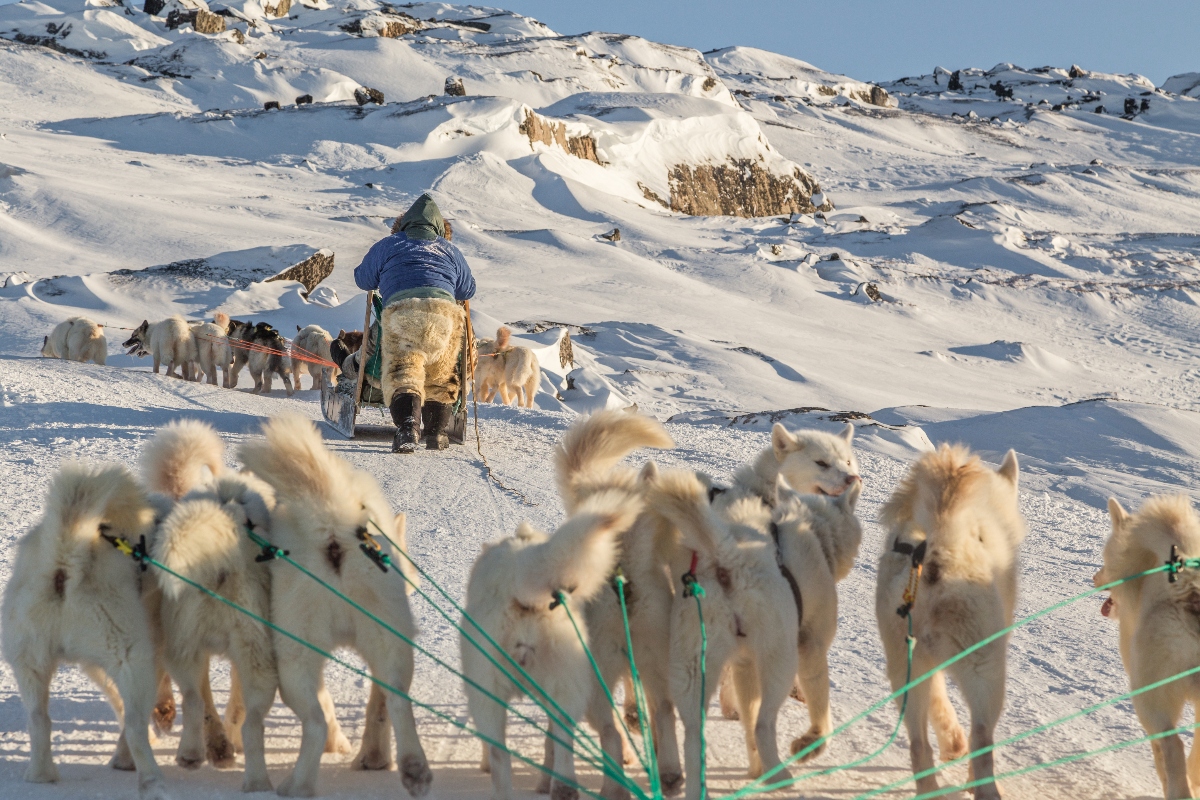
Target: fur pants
(422, 345)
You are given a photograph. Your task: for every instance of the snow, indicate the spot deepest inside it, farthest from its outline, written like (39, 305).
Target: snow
(1007, 275)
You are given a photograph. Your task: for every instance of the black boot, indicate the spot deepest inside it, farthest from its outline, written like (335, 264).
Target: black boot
(405, 408)
(439, 421)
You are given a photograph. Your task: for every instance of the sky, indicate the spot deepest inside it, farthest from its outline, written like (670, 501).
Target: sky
(879, 40)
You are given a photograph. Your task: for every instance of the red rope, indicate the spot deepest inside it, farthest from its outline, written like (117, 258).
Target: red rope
(254, 347)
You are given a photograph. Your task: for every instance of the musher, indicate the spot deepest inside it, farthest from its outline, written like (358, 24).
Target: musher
(422, 278)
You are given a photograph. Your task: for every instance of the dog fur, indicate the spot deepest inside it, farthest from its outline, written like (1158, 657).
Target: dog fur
(262, 365)
(347, 342)
(213, 352)
(77, 339)
(968, 516)
(511, 593)
(586, 463)
(168, 342)
(316, 341)
(74, 598)
(422, 345)
(510, 371)
(323, 508)
(1159, 635)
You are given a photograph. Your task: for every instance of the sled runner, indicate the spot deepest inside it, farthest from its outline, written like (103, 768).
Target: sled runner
(341, 402)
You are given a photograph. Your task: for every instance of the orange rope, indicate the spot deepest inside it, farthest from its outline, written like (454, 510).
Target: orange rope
(292, 351)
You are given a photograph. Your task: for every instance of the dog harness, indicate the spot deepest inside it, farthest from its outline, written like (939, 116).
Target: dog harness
(788, 576)
(917, 552)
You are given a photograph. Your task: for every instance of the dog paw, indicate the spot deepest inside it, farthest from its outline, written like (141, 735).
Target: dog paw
(415, 775)
(730, 712)
(806, 740)
(41, 774)
(153, 789)
(340, 745)
(560, 791)
(189, 760)
(372, 761)
(543, 784)
(953, 746)
(291, 788)
(262, 784)
(797, 693)
(163, 716)
(122, 761)
(221, 753)
(671, 782)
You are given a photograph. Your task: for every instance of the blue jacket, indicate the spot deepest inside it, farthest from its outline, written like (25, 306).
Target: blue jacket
(397, 263)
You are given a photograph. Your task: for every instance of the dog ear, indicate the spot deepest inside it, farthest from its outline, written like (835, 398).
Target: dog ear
(848, 499)
(1008, 468)
(784, 493)
(848, 432)
(1119, 515)
(341, 333)
(649, 473)
(297, 329)
(783, 442)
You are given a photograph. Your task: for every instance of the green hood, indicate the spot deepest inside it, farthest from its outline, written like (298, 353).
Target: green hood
(423, 220)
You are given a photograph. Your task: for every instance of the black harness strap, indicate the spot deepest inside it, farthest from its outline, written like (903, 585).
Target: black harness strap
(788, 576)
(917, 551)
(714, 492)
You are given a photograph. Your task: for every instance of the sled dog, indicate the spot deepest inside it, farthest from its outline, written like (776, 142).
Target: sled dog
(213, 352)
(508, 370)
(1157, 620)
(957, 520)
(168, 342)
(586, 464)
(76, 339)
(749, 614)
(313, 340)
(514, 592)
(324, 510)
(347, 342)
(263, 365)
(74, 598)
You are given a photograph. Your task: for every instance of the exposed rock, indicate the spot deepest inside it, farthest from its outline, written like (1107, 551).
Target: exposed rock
(208, 22)
(614, 237)
(1131, 105)
(271, 104)
(1002, 92)
(365, 94)
(1145, 106)
(1077, 71)
(1099, 109)
(651, 195)
(872, 291)
(309, 272)
(238, 36)
(550, 132)
(739, 188)
(152, 7)
(709, 84)
(280, 9)
(828, 91)
(389, 24)
(455, 88)
(304, 100)
(179, 17)
(955, 84)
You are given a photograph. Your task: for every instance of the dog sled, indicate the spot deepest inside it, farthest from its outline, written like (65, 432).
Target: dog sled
(342, 401)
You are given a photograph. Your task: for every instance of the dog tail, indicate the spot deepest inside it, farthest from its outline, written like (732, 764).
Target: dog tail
(1144, 540)
(222, 319)
(681, 498)
(595, 444)
(503, 333)
(181, 456)
(199, 541)
(580, 556)
(87, 500)
(292, 458)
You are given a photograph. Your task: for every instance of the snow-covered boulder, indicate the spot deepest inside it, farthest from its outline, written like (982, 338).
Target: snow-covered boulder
(751, 72)
(1187, 84)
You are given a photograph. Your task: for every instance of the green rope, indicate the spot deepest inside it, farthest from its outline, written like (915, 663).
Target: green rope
(1058, 762)
(639, 691)
(144, 558)
(570, 725)
(760, 785)
(561, 599)
(1032, 732)
(692, 588)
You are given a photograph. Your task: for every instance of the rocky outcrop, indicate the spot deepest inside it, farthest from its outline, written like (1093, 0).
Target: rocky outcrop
(386, 24)
(455, 87)
(309, 272)
(551, 132)
(208, 22)
(280, 9)
(366, 94)
(740, 188)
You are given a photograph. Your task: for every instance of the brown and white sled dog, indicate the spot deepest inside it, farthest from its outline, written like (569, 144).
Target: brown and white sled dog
(213, 352)
(512, 593)
(74, 598)
(749, 614)
(966, 516)
(168, 342)
(263, 364)
(1159, 635)
(512, 372)
(324, 509)
(586, 463)
(77, 339)
(314, 341)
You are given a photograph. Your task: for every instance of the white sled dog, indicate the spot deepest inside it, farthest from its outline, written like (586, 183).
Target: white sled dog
(749, 614)
(958, 520)
(510, 371)
(324, 510)
(811, 462)
(586, 464)
(512, 593)
(315, 341)
(1158, 624)
(77, 339)
(74, 598)
(213, 352)
(168, 342)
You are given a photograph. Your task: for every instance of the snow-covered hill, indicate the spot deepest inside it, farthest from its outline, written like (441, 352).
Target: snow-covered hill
(969, 255)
